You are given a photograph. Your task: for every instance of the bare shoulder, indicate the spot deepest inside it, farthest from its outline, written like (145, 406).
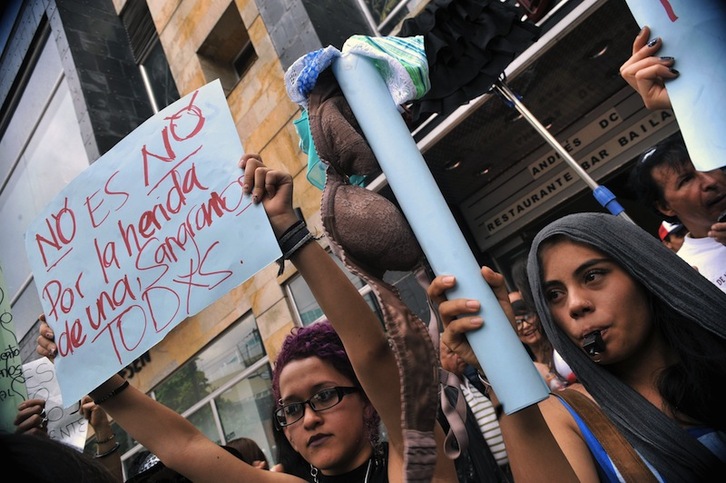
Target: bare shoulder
(556, 414)
(568, 435)
(554, 411)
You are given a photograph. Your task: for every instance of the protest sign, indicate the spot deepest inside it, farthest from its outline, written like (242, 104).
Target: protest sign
(693, 33)
(151, 233)
(64, 424)
(12, 382)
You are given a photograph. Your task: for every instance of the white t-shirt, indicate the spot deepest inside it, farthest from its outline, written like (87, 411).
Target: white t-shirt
(708, 256)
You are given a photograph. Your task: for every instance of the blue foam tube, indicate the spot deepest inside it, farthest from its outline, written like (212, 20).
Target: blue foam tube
(508, 367)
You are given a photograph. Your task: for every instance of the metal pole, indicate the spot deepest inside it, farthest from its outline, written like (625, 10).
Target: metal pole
(603, 195)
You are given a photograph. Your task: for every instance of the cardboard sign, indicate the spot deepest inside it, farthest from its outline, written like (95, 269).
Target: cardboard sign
(64, 424)
(694, 33)
(151, 233)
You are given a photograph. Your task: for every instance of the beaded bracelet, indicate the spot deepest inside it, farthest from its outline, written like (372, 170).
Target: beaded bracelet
(101, 441)
(113, 393)
(106, 453)
(294, 238)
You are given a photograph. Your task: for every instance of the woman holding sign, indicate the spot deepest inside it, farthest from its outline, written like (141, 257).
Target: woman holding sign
(644, 333)
(322, 410)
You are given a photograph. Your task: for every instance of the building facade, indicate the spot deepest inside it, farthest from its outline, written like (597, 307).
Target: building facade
(79, 75)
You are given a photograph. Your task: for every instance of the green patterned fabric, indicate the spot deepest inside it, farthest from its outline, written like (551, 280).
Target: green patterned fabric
(400, 60)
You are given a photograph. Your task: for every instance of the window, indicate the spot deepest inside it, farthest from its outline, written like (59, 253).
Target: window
(412, 293)
(385, 15)
(234, 351)
(149, 55)
(307, 308)
(225, 391)
(159, 83)
(308, 311)
(227, 52)
(41, 151)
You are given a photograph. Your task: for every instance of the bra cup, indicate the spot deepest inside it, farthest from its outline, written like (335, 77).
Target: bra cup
(336, 134)
(370, 235)
(372, 230)
(351, 152)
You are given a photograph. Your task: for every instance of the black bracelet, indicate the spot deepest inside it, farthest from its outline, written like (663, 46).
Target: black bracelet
(290, 232)
(498, 410)
(101, 441)
(113, 393)
(106, 453)
(295, 237)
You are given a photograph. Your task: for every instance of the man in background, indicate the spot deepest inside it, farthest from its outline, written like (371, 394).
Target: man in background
(672, 235)
(666, 180)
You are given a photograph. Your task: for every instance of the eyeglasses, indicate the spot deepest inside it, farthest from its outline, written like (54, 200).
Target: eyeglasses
(528, 317)
(288, 414)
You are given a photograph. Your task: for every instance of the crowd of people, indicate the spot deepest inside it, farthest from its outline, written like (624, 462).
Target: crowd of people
(624, 326)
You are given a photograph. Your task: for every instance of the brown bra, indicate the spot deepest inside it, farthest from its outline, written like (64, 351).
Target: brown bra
(370, 236)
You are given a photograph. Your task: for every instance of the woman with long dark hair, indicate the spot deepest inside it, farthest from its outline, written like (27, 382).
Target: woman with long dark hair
(644, 333)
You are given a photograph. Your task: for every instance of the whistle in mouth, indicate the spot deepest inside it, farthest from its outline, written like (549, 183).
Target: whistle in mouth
(594, 344)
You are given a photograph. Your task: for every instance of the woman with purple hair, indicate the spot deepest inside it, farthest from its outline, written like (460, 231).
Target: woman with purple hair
(308, 354)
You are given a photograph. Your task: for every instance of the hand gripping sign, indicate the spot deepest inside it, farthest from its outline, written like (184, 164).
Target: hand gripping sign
(150, 234)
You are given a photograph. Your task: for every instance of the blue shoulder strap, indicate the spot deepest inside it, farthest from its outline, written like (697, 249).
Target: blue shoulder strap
(606, 469)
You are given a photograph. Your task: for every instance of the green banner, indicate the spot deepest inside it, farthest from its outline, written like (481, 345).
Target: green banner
(12, 381)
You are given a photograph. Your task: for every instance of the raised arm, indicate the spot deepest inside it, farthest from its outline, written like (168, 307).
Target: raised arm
(31, 417)
(106, 444)
(531, 435)
(180, 446)
(648, 73)
(354, 321)
(173, 439)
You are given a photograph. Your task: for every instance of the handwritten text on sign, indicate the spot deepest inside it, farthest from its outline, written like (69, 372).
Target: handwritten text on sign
(151, 233)
(12, 381)
(64, 424)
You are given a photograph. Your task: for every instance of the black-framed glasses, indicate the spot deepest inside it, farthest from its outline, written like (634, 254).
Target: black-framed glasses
(293, 412)
(529, 317)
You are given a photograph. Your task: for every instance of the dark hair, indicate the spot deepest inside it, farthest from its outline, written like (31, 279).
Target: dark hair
(247, 450)
(316, 340)
(685, 299)
(41, 459)
(690, 385)
(671, 153)
(521, 280)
